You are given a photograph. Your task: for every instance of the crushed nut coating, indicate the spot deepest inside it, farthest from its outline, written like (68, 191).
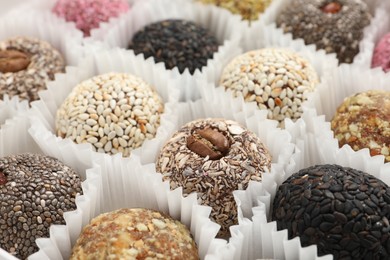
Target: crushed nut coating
(363, 121)
(135, 234)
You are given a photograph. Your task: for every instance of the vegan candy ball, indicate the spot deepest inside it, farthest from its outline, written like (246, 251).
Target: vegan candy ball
(214, 157)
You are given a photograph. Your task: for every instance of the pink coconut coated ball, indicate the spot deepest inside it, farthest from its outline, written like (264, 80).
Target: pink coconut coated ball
(381, 57)
(87, 14)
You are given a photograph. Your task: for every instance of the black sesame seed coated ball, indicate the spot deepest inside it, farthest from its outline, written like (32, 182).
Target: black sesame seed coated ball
(335, 26)
(177, 43)
(35, 191)
(345, 212)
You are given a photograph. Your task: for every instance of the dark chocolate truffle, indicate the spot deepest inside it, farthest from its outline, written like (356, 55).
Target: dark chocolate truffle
(214, 157)
(363, 121)
(135, 234)
(333, 25)
(26, 64)
(35, 191)
(177, 43)
(345, 212)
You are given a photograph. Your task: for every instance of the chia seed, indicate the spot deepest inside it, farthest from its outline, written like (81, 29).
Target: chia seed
(338, 32)
(20, 223)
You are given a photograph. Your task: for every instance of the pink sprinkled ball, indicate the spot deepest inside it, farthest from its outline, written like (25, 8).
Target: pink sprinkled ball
(381, 56)
(87, 14)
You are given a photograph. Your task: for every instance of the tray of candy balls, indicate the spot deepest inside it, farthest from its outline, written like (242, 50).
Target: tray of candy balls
(194, 129)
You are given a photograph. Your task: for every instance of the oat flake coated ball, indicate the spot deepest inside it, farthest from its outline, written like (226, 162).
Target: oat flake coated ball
(248, 9)
(135, 234)
(26, 64)
(214, 157)
(35, 191)
(115, 112)
(335, 26)
(88, 14)
(345, 212)
(278, 80)
(363, 121)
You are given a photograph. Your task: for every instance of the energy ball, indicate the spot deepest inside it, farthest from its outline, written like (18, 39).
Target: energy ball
(214, 157)
(345, 212)
(363, 121)
(248, 9)
(335, 26)
(114, 112)
(88, 14)
(35, 191)
(381, 56)
(176, 43)
(26, 64)
(135, 234)
(278, 80)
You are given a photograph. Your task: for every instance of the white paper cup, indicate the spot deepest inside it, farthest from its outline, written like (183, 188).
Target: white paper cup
(225, 27)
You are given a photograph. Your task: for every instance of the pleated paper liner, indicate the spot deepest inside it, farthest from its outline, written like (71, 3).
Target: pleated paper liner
(343, 82)
(225, 27)
(30, 22)
(45, 7)
(254, 237)
(316, 145)
(129, 183)
(116, 60)
(15, 139)
(379, 26)
(267, 27)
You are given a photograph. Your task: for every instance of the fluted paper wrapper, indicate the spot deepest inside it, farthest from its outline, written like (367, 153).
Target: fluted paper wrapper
(379, 26)
(225, 27)
(273, 36)
(280, 147)
(15, 139)
(341, 82)
(255, 202)
(129, 183)
(42, 24)
(116, 60)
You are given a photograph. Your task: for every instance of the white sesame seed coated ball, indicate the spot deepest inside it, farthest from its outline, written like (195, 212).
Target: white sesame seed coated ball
(276, 79)
(115, 112)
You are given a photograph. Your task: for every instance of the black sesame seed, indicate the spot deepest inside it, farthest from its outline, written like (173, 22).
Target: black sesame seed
(344, 221)
(177, 43)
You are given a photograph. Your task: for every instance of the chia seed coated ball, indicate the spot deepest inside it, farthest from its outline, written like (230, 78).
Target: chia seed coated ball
(345, 212)
(135, 234)
(381, 56)
(35, 191)
(248, 9)
(214, 157)
(88, 14)
(363, 121)
(333, 25)
(177, 43)
(26, 64)
(115, 112)
(276, 79)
